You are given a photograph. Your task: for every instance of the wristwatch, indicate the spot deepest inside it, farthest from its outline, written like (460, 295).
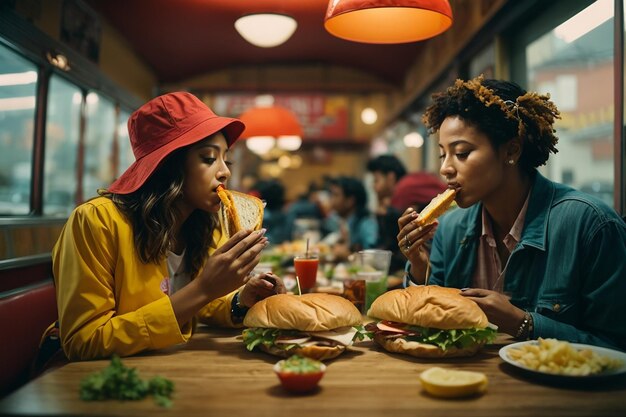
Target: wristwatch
(237, 310)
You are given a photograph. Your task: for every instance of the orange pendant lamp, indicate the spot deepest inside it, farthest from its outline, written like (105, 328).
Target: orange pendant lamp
(387, 21)
(270, 126)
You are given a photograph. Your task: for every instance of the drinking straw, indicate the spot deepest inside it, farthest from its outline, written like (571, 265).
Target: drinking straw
(298, 284)
(306, 254)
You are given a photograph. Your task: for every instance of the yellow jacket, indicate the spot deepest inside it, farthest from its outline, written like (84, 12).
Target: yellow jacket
(108, 300)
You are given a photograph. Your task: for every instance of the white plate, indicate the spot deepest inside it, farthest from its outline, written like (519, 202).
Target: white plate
(615, 354)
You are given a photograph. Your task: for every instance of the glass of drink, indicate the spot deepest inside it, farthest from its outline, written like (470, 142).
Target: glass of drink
(306, 270)
(354, 291)
(372, 267)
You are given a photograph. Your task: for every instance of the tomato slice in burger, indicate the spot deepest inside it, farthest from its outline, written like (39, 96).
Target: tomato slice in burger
(389, 326)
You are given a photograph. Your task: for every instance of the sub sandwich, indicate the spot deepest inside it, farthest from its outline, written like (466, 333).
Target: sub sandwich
(429, 322)
(317, 325)
(438, 205)
(239, 211)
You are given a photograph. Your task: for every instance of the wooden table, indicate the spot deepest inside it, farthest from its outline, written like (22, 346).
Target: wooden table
(216, 376)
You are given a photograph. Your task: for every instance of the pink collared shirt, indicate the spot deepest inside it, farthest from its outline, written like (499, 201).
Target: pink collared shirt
(489, 273)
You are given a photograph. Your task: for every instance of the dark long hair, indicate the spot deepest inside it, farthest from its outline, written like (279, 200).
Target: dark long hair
(152, 213)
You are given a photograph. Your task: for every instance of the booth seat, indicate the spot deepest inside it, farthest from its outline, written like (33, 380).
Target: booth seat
(25, 313)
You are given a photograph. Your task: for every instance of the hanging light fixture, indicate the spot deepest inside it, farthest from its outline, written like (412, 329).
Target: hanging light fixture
(369, 116)
(271, 126)
(266, 30)
(387, 21)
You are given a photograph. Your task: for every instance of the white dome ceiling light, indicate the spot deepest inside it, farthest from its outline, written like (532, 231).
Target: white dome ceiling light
(266, 30)
(413, 140)
(369, 116)
(260, 145)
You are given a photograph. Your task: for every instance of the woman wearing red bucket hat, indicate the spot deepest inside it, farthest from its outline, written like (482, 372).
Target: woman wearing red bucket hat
(136, 267)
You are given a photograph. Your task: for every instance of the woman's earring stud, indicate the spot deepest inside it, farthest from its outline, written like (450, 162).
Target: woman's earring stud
(511, 162)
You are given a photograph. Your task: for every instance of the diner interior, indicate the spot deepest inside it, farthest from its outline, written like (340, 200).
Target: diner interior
(323, 88)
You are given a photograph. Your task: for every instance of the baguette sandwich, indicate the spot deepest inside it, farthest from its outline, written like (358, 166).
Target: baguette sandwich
(439, 205)
(429, 322)
(239, 211)
(316, 325)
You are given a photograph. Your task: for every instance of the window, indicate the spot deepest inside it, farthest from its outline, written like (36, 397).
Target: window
(573, 61)
(18, 87)
(61, 155)
(484, 62)
(98, 155)
(123, 139)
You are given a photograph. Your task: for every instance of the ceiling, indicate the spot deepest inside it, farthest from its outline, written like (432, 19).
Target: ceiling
(180, 39)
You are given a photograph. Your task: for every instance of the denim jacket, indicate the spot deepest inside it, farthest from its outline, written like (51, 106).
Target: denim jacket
(568, 270)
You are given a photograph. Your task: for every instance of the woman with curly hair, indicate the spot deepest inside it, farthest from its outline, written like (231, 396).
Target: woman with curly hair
(540, 258)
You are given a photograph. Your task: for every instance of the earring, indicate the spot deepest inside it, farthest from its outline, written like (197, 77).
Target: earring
(511, 162)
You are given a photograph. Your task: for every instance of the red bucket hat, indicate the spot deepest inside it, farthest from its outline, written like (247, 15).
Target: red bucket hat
(164, 124)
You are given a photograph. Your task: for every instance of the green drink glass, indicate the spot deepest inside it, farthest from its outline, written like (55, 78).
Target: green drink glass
(372, 266)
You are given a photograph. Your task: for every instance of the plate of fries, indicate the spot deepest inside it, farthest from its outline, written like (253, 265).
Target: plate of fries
(564, 360)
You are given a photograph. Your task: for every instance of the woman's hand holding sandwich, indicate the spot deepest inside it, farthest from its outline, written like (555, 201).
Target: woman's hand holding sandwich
(224, 271)
(412, 240)
(230, 264)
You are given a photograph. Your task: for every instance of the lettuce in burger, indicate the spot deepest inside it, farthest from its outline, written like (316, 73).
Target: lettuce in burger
(316, 325)
(429, 322)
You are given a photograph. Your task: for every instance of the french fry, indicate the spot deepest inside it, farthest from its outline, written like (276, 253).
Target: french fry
(559, 357)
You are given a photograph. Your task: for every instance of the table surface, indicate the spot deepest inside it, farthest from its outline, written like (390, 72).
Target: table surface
(215, 375)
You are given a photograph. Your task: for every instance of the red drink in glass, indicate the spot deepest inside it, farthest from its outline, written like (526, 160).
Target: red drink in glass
(306, 271)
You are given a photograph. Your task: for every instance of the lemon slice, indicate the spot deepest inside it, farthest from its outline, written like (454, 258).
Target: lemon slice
(451, 383)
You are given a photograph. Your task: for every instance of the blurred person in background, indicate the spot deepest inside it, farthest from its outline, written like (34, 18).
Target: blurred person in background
(541, 259)
(137, 267)
(357, 227)
(274, 215)
(305, 213)
(387, 170)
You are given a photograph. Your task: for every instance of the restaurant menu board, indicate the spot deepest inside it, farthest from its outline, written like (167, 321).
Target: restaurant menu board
(322, 117)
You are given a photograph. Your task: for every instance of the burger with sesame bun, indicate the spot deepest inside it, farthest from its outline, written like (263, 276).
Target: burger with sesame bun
(429, 322)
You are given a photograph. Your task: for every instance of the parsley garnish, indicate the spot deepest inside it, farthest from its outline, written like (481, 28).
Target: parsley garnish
(117, 382)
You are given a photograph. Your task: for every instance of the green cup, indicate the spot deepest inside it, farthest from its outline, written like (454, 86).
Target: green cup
(372, 266)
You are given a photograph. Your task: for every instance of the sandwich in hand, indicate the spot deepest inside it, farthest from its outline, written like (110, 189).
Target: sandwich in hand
(438, 205)
(240, 211)
(429, 322)
(315, 325)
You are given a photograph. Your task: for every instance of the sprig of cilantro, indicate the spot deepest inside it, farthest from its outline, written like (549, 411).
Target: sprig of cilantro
(118, 382)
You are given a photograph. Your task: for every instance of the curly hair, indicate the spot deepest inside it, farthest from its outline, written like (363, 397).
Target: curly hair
(152, 213)
(502, 110)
